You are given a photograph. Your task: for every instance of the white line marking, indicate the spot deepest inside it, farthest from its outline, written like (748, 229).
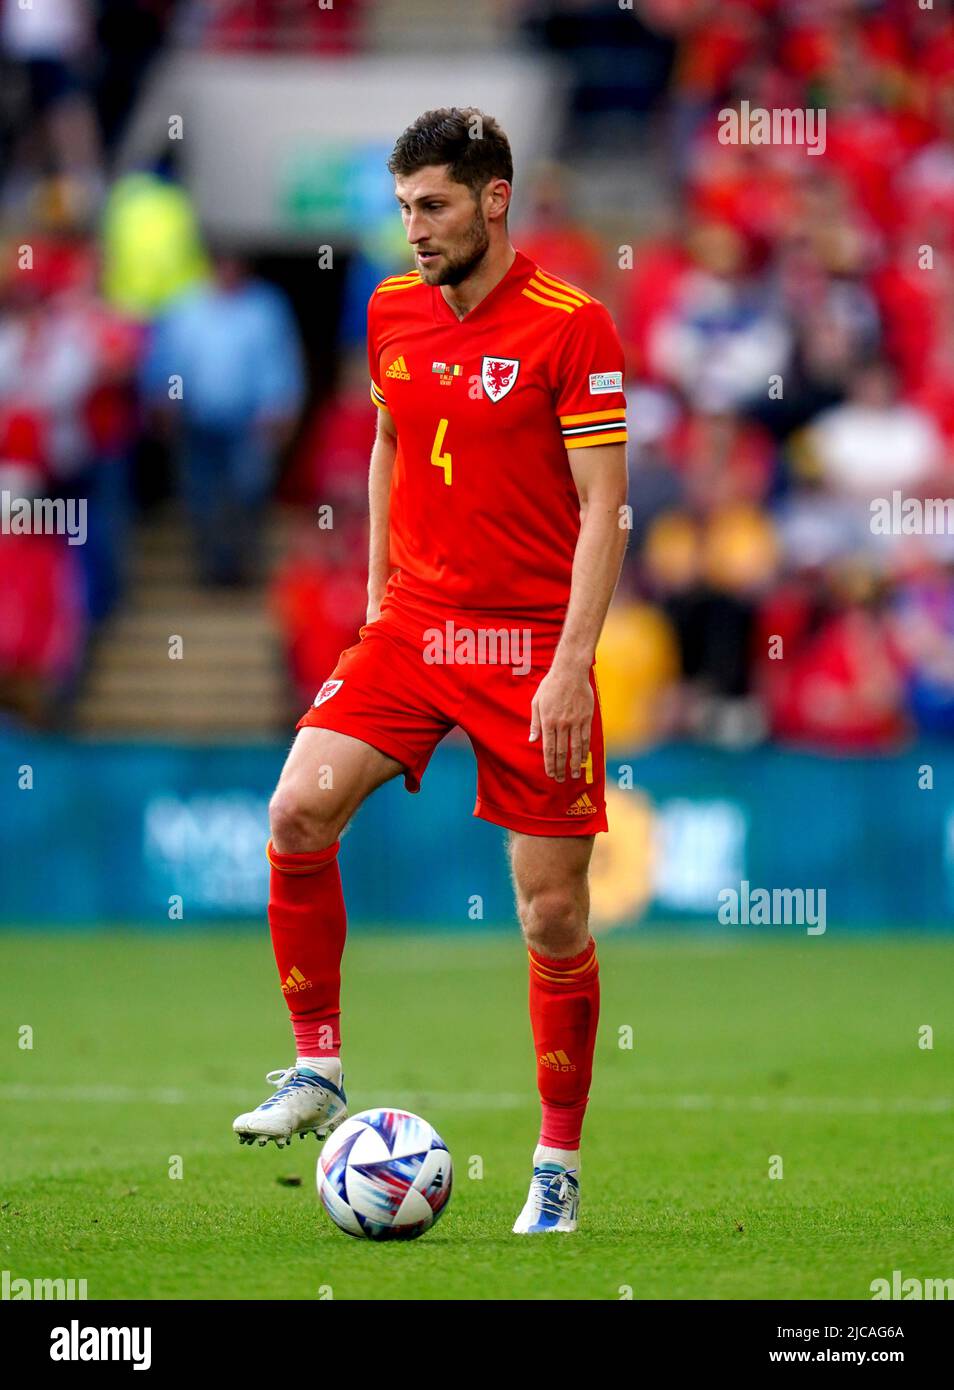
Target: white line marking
(491, 1100)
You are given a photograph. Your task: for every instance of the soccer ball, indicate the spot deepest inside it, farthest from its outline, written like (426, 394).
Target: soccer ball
(385, 1174)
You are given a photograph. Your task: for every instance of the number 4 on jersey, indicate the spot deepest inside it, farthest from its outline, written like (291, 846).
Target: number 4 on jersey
(438, 459)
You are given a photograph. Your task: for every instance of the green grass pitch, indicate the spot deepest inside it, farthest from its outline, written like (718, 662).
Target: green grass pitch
(745, 1047)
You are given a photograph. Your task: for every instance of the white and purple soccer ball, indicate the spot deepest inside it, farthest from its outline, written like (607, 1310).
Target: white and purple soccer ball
(385, 1174)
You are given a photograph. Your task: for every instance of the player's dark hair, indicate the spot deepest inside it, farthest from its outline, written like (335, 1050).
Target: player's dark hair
(469, 141)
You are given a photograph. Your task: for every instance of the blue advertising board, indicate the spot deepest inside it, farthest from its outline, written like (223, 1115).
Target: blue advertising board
(96, 833)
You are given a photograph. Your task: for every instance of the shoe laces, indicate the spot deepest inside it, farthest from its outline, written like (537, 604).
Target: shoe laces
(287, 1080)
(550, 1189)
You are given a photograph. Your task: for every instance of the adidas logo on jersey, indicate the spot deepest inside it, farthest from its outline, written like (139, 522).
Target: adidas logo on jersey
(398, 369)
(556, 1061)
(582, 806)
(295, 982)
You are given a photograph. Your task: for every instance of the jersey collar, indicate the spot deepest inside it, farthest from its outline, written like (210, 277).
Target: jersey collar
(514, 280)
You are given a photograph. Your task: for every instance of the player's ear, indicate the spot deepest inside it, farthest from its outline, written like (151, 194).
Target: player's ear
(497, 194)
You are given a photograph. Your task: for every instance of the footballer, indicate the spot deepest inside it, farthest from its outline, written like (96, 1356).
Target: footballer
(496, 484)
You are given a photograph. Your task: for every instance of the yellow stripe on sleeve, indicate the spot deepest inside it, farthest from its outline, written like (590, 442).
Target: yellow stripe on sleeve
(562, 285)
(581, 443)
(549, 303)
(591, 415)
(389, 286)
(556, 294)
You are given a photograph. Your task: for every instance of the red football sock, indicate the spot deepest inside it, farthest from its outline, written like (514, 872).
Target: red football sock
(564, 1012)
(306, 914)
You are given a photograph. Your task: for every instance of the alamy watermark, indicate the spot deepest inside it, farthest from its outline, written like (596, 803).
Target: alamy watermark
(911, 1288)
(898, 515)
(776, 907)
(76, 1343)
(43, 516)
(15, 1289)
(754, 125)
(483, 646)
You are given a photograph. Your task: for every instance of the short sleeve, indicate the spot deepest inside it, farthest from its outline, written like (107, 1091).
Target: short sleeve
(589, 380)
(377, 395)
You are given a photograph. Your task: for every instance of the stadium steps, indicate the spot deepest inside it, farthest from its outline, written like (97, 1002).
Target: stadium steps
(230, 681)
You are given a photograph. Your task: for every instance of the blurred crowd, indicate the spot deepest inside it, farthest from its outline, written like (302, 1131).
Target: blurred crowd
(788, 320)
(790, 333)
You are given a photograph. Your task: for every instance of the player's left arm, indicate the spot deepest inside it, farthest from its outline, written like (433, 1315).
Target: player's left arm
(562, 708)
(586, 365)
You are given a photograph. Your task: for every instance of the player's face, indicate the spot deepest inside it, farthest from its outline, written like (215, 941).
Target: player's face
(444, 225)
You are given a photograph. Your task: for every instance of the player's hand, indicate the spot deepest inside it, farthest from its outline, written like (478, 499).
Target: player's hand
(561, 713)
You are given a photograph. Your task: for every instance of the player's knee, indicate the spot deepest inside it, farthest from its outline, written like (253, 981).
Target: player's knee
(299, 824)
(554, 921)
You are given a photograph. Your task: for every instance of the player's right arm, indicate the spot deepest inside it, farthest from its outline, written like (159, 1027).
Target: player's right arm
(379, 475)
(379, 494)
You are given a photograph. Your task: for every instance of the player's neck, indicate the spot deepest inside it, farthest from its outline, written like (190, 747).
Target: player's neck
(465, 297)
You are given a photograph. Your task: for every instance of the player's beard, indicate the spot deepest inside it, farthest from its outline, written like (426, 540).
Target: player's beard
(466, 256)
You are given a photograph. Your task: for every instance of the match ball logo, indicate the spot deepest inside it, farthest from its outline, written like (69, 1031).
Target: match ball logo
(498, 374)
(325, 693)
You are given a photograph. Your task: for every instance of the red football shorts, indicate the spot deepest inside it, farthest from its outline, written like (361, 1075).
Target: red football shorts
(402, 696)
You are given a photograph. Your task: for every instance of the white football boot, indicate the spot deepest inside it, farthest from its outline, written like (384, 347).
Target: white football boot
(305, 1102)
(553, 1201)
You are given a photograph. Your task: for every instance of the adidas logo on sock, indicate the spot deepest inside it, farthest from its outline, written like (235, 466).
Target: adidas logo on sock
(295, 982)
(556, 1061)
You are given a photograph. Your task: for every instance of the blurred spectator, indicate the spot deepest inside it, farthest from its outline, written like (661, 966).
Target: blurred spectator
(922, 613)
(722, 458)
(721, 339)
(279, 25)
(835, 681)
(225, 372)
(130, 35)
(554, 238)
(51, 41)
(874, 442)
(320, 597)
(649, 291)
(618, 63)
(332, 458)
(927, 181)
(152, 251)
(46, 367)
(42, 617)
(708, 580)
(638, 670)
(67, 363)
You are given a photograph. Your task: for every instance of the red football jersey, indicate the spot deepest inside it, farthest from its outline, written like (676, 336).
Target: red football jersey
(484, 515)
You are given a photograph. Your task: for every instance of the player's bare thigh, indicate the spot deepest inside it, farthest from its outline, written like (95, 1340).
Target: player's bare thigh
(325, 779)
(551, 881)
